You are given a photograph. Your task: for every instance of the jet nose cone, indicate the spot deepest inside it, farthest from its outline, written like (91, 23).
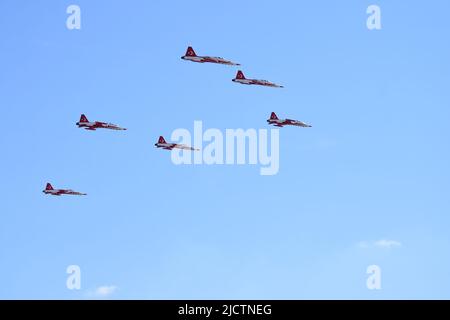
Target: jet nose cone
(77, 123)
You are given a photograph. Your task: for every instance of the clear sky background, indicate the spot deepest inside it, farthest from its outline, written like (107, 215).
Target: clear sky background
(375, 165)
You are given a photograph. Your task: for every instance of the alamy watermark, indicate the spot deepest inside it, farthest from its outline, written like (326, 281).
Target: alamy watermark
(73, 281)
(374, 19)
(374, 280)
(233, 146)
(74, 19)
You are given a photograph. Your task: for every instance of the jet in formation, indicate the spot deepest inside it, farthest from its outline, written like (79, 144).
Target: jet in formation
(58, 192)
(169, 146)
(240, 78)
(285, 122)
(84, 123)
(191, 56)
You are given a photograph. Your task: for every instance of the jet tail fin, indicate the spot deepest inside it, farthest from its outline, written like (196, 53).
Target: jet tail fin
(240, 75)
(273, 116)
(161, 140)
(83, 119)
(190, 52)
(48, 187)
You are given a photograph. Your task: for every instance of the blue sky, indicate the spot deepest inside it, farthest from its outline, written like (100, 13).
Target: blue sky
(375, 165)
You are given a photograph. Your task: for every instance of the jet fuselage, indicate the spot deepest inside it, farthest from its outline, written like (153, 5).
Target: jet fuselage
(287, 122)
(98, 125)
(204, 59)
(58, 192)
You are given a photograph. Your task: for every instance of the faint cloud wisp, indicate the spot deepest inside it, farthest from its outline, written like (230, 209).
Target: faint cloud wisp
(387, 244)
(102, 292)
(382, 243)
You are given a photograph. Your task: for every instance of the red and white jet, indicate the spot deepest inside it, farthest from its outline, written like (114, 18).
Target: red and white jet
(169, 146)
(286, 122)
(84, 123)
(57, 192)
(240, 78)
(191, 56)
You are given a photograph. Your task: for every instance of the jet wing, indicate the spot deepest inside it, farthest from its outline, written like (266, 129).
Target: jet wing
(184, 147)
(220, 60)
(178, 146)
(228, 62)
(276, 85)
(76, 193)
(301, 124)
(270, 84)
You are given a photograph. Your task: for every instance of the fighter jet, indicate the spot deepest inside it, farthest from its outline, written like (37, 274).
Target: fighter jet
(57, 192)
(240, 78)
(169, 146)
(191, 56)
(285, 122)
(84, 123)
